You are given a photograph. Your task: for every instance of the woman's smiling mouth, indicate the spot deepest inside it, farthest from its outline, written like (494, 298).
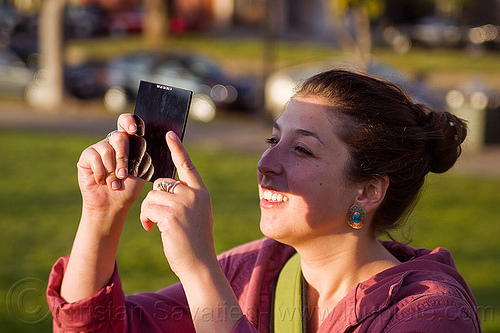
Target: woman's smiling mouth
(274, 197)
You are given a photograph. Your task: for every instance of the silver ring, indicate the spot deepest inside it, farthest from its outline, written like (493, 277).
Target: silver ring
(110, 134)
(163, 186)
(173, 186)
(167, 186)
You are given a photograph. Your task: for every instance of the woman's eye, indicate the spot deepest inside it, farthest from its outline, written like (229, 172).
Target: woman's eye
(300, 149)
(272, 141)
(303, 150)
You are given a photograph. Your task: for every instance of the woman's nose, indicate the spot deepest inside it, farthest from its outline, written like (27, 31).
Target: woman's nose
(270, 162)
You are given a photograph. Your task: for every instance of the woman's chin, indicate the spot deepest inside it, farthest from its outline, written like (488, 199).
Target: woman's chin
(271, 229)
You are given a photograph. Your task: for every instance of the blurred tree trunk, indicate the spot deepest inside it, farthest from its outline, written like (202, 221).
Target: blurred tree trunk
(155, 24)
(269, 59)
(355, 36)
(49, 87)
(363, 33)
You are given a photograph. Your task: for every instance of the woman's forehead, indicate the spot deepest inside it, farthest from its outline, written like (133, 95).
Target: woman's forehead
(307, 113)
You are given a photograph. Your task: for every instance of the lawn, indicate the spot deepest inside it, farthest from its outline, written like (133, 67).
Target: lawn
(40, 205)
(39, 213)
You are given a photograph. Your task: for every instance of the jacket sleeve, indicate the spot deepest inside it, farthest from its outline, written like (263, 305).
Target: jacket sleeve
(166, 310)
(109, 310)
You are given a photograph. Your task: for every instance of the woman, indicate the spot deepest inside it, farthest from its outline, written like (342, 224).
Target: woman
(345, 163)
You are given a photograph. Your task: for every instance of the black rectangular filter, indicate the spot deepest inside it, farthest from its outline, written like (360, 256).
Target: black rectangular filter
(163, 108)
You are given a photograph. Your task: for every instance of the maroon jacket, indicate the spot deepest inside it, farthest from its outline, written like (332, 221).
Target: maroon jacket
(424, 293)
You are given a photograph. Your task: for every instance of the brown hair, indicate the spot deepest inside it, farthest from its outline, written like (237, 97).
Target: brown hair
(388, 135)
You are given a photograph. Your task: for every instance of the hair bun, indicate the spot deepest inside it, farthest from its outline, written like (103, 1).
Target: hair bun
(446, 133)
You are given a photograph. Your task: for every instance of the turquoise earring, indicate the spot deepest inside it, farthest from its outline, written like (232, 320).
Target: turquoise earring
(356, 217)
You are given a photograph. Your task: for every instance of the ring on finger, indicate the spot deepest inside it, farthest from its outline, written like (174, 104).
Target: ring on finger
(167, 186)
(163, 186)
(110, 134)
(173, 187)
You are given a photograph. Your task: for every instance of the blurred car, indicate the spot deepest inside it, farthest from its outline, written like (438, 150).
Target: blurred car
(125, 74)
(86, 80)
(24, 37)
(429, 31)
(486, 35)
(124, 22)
(9, 18)
(479, 104)
(280, 85)
(82, 21)
(78, 22)
(15, 76)
(227, 91)
(211, 87)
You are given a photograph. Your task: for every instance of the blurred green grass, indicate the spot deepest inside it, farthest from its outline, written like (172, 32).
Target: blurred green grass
(40, 206)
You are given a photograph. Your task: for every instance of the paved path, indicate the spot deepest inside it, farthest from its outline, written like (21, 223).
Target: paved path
(238, 132)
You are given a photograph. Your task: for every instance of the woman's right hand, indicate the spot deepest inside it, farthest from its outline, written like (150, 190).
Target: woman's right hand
(109, 175)
(108, 178)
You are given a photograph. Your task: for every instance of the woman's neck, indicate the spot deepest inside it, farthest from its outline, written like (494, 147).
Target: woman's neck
(333, 265)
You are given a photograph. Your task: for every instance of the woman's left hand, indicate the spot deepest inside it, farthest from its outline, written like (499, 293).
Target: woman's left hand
(183, 216)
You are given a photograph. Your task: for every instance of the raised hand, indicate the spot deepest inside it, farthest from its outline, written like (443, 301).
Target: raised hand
(109, 177)
(183, 214)
(110, 171)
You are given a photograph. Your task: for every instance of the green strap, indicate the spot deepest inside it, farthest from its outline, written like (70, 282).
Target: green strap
(288, 298)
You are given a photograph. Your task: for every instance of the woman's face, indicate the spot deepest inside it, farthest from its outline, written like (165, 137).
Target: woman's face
(302, 188)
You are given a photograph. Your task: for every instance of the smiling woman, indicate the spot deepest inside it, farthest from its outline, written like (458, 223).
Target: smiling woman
(388, 135)
(305, 163)
(345, 162)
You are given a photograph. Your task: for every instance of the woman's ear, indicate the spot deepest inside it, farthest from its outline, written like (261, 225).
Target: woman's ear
(373, 193)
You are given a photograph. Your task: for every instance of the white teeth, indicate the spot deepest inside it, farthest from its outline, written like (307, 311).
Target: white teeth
(268, 195)
(274, 197)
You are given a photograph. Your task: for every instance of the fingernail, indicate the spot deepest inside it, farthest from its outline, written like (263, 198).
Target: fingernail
(132, 128)
(115, 185)
(172, 135)
(122, 173)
